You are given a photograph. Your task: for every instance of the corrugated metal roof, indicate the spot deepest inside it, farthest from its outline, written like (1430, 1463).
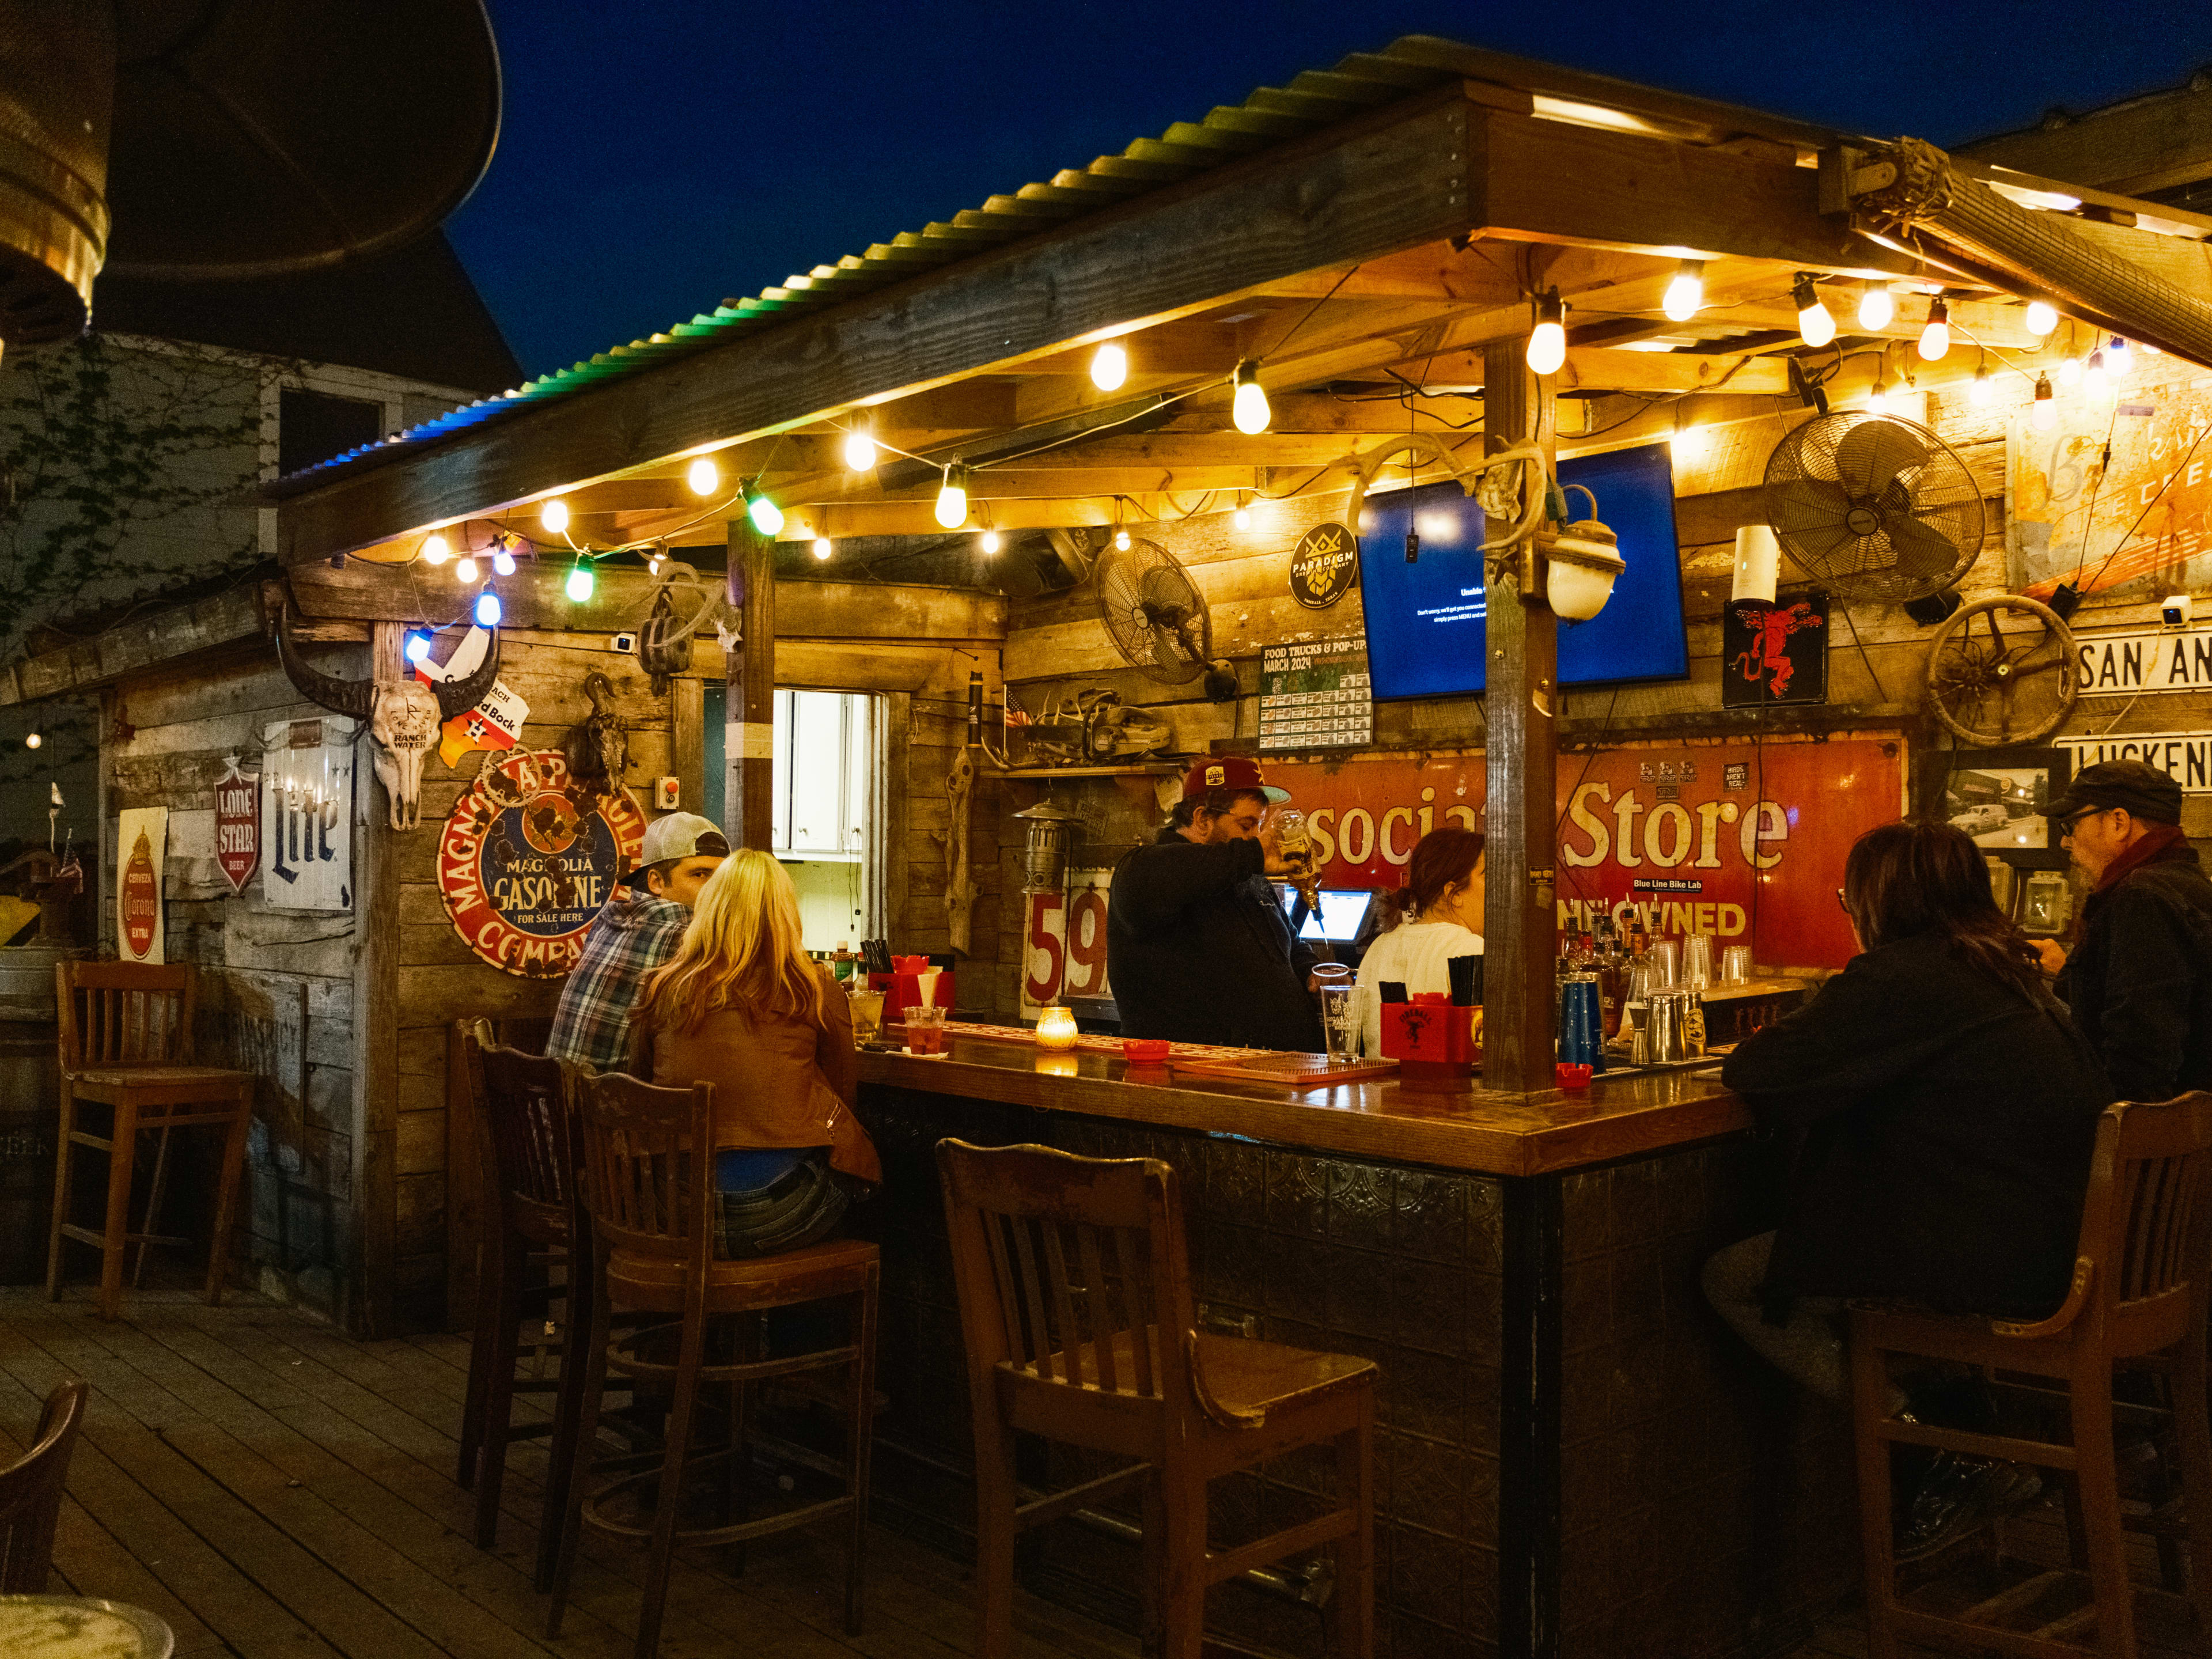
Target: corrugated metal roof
(1270, 116)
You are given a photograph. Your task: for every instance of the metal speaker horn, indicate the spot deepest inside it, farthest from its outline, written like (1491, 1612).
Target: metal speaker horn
(57, 92)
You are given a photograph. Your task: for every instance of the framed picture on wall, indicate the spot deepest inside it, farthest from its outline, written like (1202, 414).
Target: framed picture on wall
(1997, 797)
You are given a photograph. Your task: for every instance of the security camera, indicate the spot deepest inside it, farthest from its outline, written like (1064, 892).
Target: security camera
(626, 644)
(2175, 610)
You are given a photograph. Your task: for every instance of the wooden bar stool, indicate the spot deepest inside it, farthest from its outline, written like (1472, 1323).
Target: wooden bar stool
(1075, 1310)
(31, 1492)
(2137, 1302)
(126, 1043)
(646, 1157)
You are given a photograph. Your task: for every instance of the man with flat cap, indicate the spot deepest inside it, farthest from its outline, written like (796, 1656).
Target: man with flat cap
(2140, 980)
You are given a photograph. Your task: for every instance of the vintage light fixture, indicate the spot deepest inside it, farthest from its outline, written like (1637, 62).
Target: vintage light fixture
(2044, 412)
(767, 516)
(702, 475)
(1877, 307)
(1581, 564)
(488, 609)
(1935, 336)
(1547, 341)
(1687, 292)
(1249, 407)
(554, 515)
(2041, 319)
(1814, 322)
(580, 581)
(1109, 366)
(434, 550)
(952, 498)
(860, 450)
(824, 547)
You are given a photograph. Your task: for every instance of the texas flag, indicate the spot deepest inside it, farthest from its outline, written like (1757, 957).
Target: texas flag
(494, 723)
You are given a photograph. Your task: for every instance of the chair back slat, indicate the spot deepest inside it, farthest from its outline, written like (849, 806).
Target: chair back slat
(2145, 1223)
(647, 1158)
(123, 1013)
(1071, 1270)
(523, 1102)
(31, 1493)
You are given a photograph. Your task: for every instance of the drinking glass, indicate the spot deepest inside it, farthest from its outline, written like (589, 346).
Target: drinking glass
(867, 1015)
(925, 1030)
(1666, 959)
(1698, 961)
(1294, 842)
(1736, 965)
(1341, 1029)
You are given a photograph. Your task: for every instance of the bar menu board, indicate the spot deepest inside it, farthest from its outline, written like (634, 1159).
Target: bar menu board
(1315, 695)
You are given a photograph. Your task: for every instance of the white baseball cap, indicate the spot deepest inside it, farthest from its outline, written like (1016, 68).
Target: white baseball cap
(681, 836)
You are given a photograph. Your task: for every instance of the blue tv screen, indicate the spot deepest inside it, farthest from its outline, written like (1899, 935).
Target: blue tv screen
(1424, 620)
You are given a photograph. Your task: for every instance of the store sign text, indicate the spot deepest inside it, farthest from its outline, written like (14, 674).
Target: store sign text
(2129, 665)
(2184, 756)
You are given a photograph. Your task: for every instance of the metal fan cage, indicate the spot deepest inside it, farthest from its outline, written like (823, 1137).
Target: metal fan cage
(1874, 508)
(1153, 611)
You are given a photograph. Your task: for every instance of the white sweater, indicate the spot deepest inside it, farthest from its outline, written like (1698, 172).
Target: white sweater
(1414, 953)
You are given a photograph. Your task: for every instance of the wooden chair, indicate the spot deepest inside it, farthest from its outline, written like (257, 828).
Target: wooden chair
(1075, 1310)
(646, 1157)
(31, 1493)
(126, 1043)
(2137, 1302)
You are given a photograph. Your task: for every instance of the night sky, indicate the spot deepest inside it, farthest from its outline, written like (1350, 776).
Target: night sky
(658, 156)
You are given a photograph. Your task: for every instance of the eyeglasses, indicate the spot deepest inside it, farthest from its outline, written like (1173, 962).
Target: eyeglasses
(2068, 826)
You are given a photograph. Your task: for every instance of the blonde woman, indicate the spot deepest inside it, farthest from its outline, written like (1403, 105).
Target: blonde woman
(740, 1005)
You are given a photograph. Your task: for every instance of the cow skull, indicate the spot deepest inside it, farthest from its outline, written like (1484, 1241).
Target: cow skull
(403, 716)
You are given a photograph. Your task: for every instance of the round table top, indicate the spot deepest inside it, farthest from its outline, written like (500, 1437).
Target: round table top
(75, 1627)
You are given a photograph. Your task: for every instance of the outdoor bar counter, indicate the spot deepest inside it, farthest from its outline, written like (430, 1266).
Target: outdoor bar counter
(1575, 1456)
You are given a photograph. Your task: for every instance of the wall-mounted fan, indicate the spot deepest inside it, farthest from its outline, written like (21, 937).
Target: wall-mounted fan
(1874, 508)
(1157, 618)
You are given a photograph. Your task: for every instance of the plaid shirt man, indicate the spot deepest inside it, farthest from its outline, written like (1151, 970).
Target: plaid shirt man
(635, 934)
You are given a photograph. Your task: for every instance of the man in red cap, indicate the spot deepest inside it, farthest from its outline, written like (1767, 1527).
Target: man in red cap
(1197, 946)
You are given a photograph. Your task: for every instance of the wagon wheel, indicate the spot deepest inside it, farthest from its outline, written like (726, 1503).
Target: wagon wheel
(2000, 671)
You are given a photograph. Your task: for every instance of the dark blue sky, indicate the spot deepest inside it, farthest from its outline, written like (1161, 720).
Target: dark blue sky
(658, 155)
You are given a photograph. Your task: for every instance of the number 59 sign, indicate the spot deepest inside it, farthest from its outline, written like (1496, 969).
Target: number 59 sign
(1064, 952)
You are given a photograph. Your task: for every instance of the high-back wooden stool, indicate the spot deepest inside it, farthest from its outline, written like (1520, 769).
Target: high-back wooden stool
(1075, 1310)
(126, 1043)
(2137, 1302)
(646, 1157)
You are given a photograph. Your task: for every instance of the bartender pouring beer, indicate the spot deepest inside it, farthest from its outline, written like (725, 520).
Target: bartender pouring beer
(1197, 945)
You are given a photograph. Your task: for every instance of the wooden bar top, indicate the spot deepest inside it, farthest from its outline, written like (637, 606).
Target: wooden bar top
(1488, 1134)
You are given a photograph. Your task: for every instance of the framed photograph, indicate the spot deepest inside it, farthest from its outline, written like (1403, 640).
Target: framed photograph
(1997, 797)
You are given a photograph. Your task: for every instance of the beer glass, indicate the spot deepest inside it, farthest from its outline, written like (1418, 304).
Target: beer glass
(1698, 961)
(1294, 842)
(1340, 1029)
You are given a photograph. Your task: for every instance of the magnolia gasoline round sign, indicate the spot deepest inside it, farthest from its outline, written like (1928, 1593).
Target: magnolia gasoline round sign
(1324, 566)
(527, 860)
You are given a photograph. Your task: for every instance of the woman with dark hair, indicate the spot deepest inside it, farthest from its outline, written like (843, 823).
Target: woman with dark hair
(1435, 916)
(1948, 1107)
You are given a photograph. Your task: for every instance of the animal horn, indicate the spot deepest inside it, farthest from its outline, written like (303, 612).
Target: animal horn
(600, 689)
(353, 698)
(458, 696)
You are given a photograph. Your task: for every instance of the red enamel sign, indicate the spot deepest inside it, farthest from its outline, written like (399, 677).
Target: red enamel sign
(238, 826)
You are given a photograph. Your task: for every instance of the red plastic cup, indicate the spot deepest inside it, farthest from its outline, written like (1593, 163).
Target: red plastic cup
(1572, 1078)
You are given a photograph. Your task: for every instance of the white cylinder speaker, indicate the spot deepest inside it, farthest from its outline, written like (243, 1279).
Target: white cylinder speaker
(1758, 561)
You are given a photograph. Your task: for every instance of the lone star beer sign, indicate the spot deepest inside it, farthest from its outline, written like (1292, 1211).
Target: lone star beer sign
(527, 860)
(238, 824)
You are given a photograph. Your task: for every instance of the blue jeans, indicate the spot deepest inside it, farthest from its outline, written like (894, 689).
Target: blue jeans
(800, 1206)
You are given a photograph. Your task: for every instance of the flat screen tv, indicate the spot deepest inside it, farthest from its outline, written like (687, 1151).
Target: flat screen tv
(1424, 620)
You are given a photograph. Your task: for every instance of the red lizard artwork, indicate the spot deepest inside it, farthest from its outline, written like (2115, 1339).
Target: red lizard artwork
(1772, 625)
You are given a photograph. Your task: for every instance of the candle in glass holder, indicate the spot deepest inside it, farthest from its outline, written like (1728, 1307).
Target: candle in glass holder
(1056, 1065)
(1055, 1028)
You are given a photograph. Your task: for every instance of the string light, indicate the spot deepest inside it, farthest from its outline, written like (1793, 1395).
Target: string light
(465, 572)
(33, 740)
(2041, 319)
(488, 609)
(1687, 292)
(824, 547)
(2116, 355)
(989, 541)
(1249, 407)
(1243, 517)
(1936, 337)
(1877, 307)
(1109, 366)
(418, 648)
(1814, 323)
(1980, 390)
(2044, 411)
(1689, 443)
(2095, 383)
(952, 498)
(554, 515)
(1547, 341)
(1121, 540)
(1878, 394)
(503, 557)
(2070, 372)
(767, 516)
(580, 580)
(435, 550)
(703, 476)
(860, 450)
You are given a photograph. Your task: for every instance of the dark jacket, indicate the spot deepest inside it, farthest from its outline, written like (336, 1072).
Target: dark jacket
(1197, 949)
(1948, 1129)
(2139, 982)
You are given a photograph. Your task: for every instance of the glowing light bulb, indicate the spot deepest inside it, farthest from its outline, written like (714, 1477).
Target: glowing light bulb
(824, 547)
(2070, 372)
(2095, 383)
(2041, 319)
(1243, 517)
(952, 498)
(465, 572)
(860, 450)
(1814, 323)
(1690, 443)
(1248, 410)
(2116, 355)
(702, 475)
(2044, 411)
(1121, 540)
(488, 609)
(1109, 366)
(989, 541)
(1547, 341)
(435, 550)
(1936, 337)
(1687, 292)
(1980, 390)
(1878, 396)
(418, 648)
(33, 740)
(1877, 307)
(503, 557)
(554, 515)
(767, 516)
(580, 581)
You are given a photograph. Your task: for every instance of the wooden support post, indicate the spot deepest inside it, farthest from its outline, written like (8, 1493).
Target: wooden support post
(687, 740)
(1521, 706)
(375, 1230)
(749, 743)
